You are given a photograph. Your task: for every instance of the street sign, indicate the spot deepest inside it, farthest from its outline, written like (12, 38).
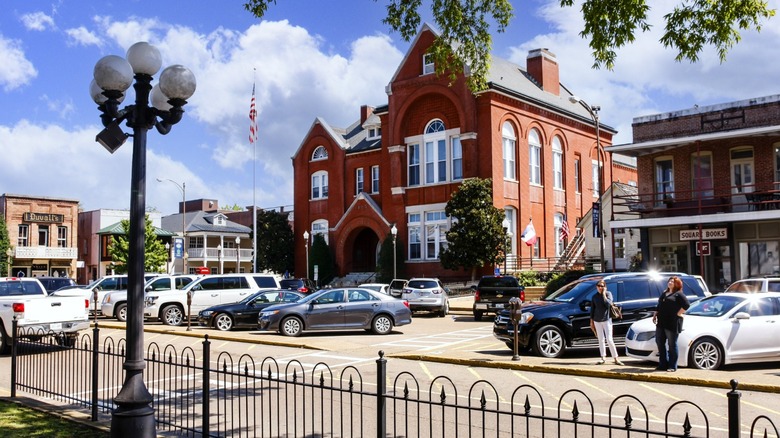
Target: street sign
(178, 247)
(703, 248)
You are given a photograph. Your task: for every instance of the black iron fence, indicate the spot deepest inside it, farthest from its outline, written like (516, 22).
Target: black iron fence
(195, 395)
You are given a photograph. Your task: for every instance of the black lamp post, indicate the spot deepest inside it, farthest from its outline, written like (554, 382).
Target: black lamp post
(238, 254)
(306, 238)
(113, 75)
(594, 113)
(505, 224)
(394, 232)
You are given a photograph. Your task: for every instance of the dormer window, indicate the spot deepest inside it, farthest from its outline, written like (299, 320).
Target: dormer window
(374, 133)
(428, 65)
(320, 153)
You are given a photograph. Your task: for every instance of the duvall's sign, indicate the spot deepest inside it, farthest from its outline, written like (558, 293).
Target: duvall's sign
(49, 218)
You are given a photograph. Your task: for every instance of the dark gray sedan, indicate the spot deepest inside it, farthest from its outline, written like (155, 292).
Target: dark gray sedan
(337, 309)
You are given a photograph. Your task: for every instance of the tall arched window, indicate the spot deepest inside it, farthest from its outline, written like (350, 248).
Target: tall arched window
(319, 185)
(320, 226)
(557, 157)
(435, 156)
(508, 140)
(320, 153)
(560, 242)
(534, 157)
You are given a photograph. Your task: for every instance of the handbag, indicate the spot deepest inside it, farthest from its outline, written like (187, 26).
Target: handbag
(615, 311)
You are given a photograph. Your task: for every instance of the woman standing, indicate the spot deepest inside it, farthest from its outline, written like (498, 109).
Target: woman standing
(601, 321)
(672, 304)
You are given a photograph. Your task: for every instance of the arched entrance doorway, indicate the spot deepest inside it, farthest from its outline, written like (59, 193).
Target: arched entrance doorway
(364, 251)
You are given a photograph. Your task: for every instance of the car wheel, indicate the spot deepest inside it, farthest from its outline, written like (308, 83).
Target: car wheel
(382, 324)
(291, 326)
(478, 315)
(223, 322)
(445, 309)
(172, 315)
(121, 312)
(706, 354)
(549, 342)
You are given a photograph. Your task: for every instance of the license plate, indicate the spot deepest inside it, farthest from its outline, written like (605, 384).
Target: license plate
(482, 306)
(56, 326)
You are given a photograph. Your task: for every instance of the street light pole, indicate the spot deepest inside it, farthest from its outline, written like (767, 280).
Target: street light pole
(394, 232)
(238, 256)
(594, 113)
(113, 75)
(219, 256)
(9, 253)
(506, 225)
(183, 189)
(167, 258)
(306, 238)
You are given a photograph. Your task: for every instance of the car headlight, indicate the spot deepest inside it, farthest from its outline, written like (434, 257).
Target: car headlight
(206, 313)
(107, 299)
(269, 313)
(645, 336)
(525, 318)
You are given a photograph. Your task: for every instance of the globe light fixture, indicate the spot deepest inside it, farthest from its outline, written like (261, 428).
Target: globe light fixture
(113, 75)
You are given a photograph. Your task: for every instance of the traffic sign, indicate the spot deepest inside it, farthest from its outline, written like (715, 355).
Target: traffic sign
(703, 248)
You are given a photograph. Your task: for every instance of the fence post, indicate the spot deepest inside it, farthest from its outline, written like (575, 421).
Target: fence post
(206, 426)
(381, 401)
(733, 402)
(95, 343)
(14, 327)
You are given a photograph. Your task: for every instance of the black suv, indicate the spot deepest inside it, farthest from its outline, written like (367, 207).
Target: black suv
(302, 285)
(53, 283)
(561, 320)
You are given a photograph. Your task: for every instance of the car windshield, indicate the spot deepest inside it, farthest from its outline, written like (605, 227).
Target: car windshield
(714, 306)
(570, 291)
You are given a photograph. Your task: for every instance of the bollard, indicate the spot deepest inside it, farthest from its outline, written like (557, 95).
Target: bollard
(733, 397)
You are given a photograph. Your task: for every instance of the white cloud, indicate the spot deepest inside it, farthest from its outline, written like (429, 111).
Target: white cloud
(38, 21)
(15, 69)
(83, 37)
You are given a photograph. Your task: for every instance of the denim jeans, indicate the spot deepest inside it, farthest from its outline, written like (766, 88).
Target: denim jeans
(667, 357)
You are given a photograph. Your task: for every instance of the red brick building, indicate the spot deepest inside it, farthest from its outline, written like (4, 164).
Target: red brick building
(400, 163)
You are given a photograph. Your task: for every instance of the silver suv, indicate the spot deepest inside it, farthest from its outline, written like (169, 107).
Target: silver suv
(115, 302)
(753, 285)
(427, 294)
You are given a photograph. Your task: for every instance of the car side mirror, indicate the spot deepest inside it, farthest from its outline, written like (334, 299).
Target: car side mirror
(148, 289)
(585, 305)
(742, 315)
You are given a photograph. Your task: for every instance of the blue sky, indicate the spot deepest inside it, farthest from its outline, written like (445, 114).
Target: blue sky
(308, 58)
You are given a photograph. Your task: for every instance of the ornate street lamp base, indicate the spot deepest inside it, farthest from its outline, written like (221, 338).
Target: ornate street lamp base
(133, 422)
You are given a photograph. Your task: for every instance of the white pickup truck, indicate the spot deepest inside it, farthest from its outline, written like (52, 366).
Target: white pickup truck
(37, 313)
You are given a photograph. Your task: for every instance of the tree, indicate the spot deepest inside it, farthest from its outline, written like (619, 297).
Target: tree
(155, 254)
(5, 245)
(275, 246)
(465, 28)
(384, 267)
(322, 258)
(477, 236)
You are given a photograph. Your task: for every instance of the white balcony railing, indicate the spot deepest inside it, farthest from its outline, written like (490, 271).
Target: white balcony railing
(44, 252)
(213, 254)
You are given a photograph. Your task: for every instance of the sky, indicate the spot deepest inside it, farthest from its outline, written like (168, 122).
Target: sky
(306, 59)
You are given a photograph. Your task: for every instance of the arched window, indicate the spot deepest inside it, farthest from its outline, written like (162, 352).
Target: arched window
(320, 226)
(534, 157)
(509, 140)
(557, 156)
(319, 185)
(320, 153)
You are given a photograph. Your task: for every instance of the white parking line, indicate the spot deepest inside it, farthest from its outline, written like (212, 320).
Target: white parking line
(426, 343)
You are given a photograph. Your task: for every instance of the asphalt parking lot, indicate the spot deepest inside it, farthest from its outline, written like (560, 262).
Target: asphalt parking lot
(458, 339)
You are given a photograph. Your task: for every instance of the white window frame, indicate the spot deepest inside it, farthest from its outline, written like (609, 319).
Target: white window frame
(577, 174)
(374, 179)
(319, 185)
(509, 144)
(429, 66)
(664, 189)
(23, 239)
(746, 167)
(359, 181)
(457, 158)
(511, 215)
(43, 235)
(560, 244)
(414, 173)
(320, 153)
(62, 236)
(320, 226)
(427, 227)
(534, 158)
(557, 158)
(414, 225)
(435, 157)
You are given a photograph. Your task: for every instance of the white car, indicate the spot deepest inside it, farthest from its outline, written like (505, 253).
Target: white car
(378, 287)
(722, 329)
(427, 294)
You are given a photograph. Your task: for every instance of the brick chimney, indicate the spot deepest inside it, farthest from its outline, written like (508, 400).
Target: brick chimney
(542, 65)
(365, 112)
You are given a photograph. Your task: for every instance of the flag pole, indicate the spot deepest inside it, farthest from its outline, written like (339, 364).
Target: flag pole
(253, 140)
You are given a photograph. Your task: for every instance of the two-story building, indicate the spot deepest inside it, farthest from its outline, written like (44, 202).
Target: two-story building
(399, 164)
(43, 232)
(708, 197)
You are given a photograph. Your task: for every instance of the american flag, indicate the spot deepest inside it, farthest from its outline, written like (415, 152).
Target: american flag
(564, 229)
(252, 118)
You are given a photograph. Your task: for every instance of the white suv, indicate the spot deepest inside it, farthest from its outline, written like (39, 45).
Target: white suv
(171, 307)
(752, 285)
(427, 294)
(115, 302)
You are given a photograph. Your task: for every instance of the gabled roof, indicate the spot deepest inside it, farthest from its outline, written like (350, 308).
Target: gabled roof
(373, 205)
(116, 229)
(201, 221)
(334, 133)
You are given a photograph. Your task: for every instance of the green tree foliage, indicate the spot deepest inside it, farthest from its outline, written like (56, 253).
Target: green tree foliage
(275, 246)
(155, 254)
(384, 268)
(5, 245)
(476, 237)
(465, 28)
(321, 256)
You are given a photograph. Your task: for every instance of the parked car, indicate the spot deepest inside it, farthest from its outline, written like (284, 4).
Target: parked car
(719, 330)
(397, 287)
(427, 294)
(379, 287)
(102, 286)
(302, 285)
(561, 320)
(171, 307)
(226, 317)
(54, 283)
(337, 309)
(114, 303)
(752, 285)
(493, 292)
